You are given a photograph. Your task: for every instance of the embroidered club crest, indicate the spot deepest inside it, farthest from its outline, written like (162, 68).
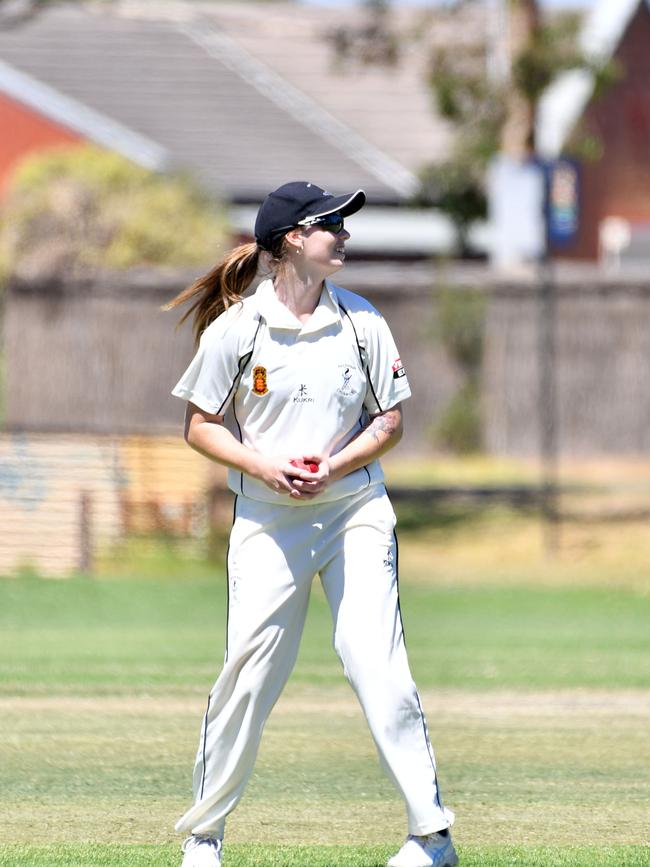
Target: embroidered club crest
(259, 380)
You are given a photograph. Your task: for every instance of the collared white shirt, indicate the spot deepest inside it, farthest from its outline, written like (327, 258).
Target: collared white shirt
(297, 389)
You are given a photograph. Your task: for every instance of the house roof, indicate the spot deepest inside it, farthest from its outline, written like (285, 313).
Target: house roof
(241, 95)
(388, 105)
(566, 99)
(83, 119)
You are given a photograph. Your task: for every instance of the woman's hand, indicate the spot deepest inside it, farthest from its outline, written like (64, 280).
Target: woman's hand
(305, 484)
(207, 434)
(276, 473)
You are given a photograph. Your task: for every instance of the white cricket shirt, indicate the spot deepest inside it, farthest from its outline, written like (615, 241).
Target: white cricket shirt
(293, 389)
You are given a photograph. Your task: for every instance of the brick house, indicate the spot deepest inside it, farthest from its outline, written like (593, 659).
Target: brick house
(617, 183)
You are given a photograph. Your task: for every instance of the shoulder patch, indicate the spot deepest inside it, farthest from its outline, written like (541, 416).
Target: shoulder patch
(398, 369)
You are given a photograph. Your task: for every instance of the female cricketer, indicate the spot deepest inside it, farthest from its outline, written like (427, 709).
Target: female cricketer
(297, 388)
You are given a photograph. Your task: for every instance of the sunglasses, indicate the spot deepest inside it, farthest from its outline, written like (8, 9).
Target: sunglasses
(330, 222)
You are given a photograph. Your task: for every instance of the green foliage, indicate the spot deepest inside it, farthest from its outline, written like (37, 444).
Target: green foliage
(586, 146)
(461, 320)
(76, 210)
(370, 42)
(458, 192)
(586, 143)
(476, 105)
(464, 96)
(459, 428)
(552, 50)
(606, 75)
(461, 317)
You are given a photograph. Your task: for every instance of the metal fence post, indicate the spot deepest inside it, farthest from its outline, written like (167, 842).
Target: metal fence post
(86, 563)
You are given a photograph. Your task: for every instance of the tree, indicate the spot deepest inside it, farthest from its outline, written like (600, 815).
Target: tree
(494, 109)
(372, 42)
(72, 211)
(14, 11)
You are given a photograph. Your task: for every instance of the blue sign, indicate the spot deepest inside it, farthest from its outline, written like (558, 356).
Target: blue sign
(562, 201)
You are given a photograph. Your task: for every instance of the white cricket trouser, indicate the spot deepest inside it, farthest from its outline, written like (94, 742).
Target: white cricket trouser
(274, 553)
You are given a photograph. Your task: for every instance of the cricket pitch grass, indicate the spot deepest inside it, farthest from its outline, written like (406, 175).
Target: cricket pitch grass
(537, 701)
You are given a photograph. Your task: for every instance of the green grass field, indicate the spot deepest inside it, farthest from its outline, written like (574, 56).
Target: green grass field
(537, 698)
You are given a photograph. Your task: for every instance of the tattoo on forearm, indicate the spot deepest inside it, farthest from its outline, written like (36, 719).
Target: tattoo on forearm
(387, 423)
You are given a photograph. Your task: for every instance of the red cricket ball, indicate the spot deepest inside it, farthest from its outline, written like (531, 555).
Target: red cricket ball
(310, 466)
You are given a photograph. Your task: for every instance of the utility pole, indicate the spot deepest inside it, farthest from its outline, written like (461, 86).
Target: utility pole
(497, 60)
(512, 28)
(547, 365)
(518, 132)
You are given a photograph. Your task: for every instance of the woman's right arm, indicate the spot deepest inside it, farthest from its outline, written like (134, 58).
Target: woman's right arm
(206, 434)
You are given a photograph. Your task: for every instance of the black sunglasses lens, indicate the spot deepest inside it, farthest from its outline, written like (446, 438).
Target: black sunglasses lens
(333, 222)
(329, 222)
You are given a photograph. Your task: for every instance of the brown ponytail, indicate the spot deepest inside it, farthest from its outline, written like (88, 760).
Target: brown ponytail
(221, 287)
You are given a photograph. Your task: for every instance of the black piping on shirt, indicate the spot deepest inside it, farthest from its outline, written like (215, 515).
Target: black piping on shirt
(241, 373)
(241, 365)
(364, 361)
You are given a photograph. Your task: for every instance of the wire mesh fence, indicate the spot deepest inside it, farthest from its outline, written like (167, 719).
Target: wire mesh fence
(529, 394)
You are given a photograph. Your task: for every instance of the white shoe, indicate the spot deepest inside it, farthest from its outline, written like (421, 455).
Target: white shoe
(201, 852)
(434, 850)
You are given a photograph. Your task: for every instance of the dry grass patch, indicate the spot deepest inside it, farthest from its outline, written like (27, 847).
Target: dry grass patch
(501, 549)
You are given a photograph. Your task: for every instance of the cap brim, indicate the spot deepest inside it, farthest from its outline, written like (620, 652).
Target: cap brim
(343, 205)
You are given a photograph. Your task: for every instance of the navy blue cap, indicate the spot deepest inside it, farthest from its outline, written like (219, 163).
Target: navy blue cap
(298, 203)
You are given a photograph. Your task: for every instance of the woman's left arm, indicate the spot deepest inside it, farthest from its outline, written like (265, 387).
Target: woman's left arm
(383, 431)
